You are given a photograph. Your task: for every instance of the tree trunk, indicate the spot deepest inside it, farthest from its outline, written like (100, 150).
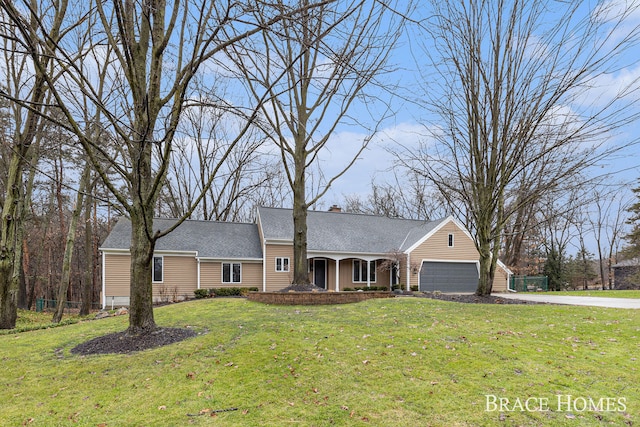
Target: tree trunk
(141, 292)
(86, 293)
(485, 283)
(9, 284)
(300, 266)
(69, 245)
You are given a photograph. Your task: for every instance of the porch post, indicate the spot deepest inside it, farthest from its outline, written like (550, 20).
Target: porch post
(337, 275)
(408, 272)
(368, 274)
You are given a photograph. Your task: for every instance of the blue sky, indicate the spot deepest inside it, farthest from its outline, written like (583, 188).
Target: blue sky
(406, 128)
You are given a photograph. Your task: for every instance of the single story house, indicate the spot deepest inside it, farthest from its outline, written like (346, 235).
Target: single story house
(345, 250)
(626, 274)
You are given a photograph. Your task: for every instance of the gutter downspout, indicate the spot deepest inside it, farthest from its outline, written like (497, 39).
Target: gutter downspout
(198, 285)
(104, 282)
(264, 266)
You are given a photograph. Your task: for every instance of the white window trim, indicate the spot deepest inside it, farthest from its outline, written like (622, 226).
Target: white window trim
(373, 266)
(282, 259)
(451, 240)
(231, 264)
(153, 264)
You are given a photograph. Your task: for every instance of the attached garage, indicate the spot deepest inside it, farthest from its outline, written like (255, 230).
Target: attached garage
(449, 276)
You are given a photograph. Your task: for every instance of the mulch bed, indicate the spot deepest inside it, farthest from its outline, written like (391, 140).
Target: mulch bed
(473, 299)
(121, 342)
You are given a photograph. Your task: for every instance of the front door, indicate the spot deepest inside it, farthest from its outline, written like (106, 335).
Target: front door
(320, 272)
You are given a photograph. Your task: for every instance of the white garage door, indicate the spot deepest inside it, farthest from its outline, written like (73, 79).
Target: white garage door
(449, 276)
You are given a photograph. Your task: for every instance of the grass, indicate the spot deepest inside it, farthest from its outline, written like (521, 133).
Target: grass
(400, 362)
(633, 294)
(31, 320)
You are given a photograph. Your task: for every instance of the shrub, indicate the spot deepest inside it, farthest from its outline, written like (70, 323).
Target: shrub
(415, 288)
(201, 293)
(365, 289)
(232, 292)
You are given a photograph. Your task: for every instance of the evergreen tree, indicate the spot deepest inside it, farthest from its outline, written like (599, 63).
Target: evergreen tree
(553, 269)
(633, 250)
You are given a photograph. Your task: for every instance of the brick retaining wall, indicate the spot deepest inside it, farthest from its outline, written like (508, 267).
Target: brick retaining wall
(315, 298)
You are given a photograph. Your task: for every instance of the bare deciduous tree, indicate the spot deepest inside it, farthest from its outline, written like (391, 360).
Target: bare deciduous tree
(316, 68)
(240, 181)
(31, 84)
(409, 196)
(152, 49)
(515, 104)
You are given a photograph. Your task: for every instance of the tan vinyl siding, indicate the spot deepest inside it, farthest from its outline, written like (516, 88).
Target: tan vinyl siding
(180, 278)
(277, 280)
(117, 273)
(437, 247)
(383, 278)
(211, 275)
(500, 280)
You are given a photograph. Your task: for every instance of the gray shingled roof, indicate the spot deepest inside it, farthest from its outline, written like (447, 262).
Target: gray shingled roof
(633, 262)
(211, 239)
(346, 232)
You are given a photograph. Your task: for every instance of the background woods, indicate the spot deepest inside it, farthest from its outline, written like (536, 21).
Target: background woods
(146, 110)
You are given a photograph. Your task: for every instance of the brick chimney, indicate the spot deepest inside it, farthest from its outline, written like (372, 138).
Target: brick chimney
(335, 208)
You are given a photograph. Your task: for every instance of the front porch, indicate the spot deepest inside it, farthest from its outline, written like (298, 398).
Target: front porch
(335, 273)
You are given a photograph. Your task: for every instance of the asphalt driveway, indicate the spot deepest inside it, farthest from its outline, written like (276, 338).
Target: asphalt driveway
(570, 300)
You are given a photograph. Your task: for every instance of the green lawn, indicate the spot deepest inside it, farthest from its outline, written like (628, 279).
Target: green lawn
(599, 293)
(388, 362)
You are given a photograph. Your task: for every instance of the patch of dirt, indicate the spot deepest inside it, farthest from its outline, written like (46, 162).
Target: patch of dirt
(121, 342)
(473, 299)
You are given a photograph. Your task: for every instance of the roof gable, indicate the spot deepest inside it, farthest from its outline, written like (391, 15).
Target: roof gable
(437, 227)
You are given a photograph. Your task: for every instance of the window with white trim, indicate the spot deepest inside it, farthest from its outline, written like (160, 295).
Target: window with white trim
(231, 272)
(282, 264)
(158, 269)
(450, 240)
(360, 271)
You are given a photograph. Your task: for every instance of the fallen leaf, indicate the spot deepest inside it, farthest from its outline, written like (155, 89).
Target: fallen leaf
(162, 407)
(191, 375)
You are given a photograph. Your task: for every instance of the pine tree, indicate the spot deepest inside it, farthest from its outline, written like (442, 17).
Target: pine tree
(633, 250)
